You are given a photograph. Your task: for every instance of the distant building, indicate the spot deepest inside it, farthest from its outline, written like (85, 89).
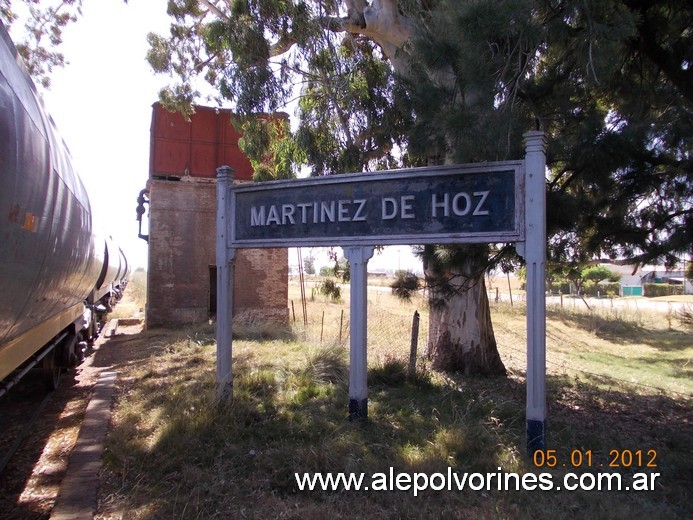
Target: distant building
(663, 275)
(634, 278)
(181, 194)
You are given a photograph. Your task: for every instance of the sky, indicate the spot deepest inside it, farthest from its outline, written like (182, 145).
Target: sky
(101, 102)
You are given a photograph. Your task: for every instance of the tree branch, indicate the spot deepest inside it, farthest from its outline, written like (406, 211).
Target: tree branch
(214, 9)
(648, 42)
(281, 46)
(355, 11)
(381, 22)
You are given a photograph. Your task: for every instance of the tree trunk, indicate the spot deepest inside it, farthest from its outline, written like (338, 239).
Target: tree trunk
(460, 330)
(460, 336)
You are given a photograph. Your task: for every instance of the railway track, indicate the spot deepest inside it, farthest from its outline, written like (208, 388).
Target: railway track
(38, 432)
(40, 429)
(16, 426)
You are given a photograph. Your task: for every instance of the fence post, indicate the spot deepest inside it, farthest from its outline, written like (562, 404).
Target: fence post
(414, 344)
(341, 324)
(322, 326)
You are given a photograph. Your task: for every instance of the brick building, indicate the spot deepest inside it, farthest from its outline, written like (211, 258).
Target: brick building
(181, 192)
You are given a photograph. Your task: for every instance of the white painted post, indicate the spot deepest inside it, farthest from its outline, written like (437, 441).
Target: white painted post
(535, 256)
(358, 257)
(225, 258)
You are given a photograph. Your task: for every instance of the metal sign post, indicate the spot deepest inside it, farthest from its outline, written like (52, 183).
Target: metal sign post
(475, 203)
(535, 256)
(225, 257)
(358, 257)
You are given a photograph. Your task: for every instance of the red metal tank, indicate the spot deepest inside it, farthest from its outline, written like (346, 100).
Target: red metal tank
(197, 147)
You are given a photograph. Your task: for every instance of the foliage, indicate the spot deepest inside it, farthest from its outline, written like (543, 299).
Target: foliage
(330, 289)
(598, 273)
(405, 285)
(653, 290)
(601, 289)
(266, 142)
(587, 280)
(309, 265)
(257, 54)
(521, 273)
(415, 82)
(39, 39)
(686, 316)
(609, 83)
(341, 268)
(347, 119)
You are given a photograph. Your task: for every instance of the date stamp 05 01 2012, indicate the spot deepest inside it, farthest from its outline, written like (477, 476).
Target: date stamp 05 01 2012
(579, 458)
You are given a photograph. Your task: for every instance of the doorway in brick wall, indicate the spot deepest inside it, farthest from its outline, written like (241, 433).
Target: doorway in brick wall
(212, 291)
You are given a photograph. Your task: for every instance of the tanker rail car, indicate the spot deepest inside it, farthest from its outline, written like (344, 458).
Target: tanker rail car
(57, 279)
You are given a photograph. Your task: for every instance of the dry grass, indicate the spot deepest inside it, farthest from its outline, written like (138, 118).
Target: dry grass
(132, 304)
(614, 382)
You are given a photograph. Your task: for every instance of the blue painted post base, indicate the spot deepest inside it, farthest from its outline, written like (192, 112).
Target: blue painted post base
(358, 409)
(536, 436)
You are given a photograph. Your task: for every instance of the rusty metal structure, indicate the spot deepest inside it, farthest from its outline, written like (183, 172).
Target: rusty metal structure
(181, 203)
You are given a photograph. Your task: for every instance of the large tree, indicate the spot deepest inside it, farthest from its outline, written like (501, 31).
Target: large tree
(609, 81)
(442, 81)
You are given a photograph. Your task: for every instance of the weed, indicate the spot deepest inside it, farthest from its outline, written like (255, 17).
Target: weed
(327, 365)
(392, 372)
(685, 315)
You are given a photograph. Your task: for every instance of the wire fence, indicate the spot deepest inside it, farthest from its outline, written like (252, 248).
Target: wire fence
(389, 332)
(390, 335)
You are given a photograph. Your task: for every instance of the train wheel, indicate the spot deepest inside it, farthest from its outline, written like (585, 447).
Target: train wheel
(51, 370)
(69, 351)
(81, 352)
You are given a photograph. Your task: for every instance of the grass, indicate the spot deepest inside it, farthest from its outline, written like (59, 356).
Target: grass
(614, 382)
(132, 304)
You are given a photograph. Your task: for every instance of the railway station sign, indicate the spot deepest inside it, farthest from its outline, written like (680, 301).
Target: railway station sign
(464, 203)
(473, 203)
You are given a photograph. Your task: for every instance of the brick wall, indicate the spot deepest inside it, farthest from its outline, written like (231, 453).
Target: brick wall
(182, 242)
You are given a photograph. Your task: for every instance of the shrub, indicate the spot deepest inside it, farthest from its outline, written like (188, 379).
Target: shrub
(652, 290)
(330, 289)
(328, 365)
(602, 289)
(405, 285)
(686, 315)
